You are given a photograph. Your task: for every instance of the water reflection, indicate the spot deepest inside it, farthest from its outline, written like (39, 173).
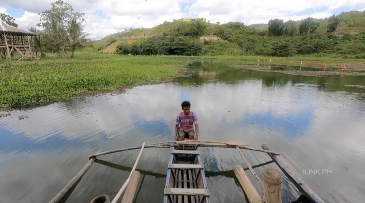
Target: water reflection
(314, 122)
(203, 73)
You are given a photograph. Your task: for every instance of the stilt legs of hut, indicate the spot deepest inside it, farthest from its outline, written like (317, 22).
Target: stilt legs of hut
(9, 45)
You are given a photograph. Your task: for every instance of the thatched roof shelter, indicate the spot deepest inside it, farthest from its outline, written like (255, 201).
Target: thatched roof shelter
(13, 39)
(4, 27)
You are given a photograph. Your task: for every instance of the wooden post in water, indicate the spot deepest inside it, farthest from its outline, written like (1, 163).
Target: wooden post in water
(250, 191)
(272, 181)
(131, 188)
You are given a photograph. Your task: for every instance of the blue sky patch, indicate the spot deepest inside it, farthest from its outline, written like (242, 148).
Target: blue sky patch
(310, 11)
(15, 13)
(347, 9)
(100, 13)
(184, 7)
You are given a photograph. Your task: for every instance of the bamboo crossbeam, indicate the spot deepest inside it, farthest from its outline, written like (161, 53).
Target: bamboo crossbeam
(200, 143)
(212, 142)
(250, 167)
(75, 180)
(23, 56)
(291, 175)
(127, 181)
(158, 145)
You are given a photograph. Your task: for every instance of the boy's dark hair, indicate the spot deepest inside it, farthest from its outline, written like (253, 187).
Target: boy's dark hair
(185, 104)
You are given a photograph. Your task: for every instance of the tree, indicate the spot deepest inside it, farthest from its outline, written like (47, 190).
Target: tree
(333, 21)
(304, 25)
(8, 19)
(282, 49)
(75, 34)
(276, 27)
(37, 41)
(198, 28)
(57, 24)
(290, 28)
(313, 26)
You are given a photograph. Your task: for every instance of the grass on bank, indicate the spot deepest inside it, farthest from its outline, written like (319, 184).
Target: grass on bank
(33, 83)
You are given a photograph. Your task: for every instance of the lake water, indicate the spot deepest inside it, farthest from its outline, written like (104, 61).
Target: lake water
(314, 122)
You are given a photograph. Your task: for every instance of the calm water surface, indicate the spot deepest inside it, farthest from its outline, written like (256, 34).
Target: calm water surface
(314, 122)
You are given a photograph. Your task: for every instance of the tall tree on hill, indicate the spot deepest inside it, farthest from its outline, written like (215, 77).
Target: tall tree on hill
(276, 27)
(333, 21)
(56, 23)
(8, 19)
(198, 28)
(308, 25)
(290, 28)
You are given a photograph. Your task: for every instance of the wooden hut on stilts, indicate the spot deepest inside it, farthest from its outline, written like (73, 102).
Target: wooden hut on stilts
(15, 40)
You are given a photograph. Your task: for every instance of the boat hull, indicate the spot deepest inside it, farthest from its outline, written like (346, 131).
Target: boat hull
(185, 180)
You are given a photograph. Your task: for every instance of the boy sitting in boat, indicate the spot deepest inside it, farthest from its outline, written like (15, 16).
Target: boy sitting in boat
(185, 122)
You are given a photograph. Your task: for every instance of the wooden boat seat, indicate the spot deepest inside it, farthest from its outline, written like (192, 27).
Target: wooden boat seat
(186, 191)
(185, 152)
(185, 166)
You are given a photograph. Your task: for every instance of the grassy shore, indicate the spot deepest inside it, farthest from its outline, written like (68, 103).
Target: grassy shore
(290, 61)
(33, 83)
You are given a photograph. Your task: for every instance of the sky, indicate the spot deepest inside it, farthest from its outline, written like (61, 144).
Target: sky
(105, 17)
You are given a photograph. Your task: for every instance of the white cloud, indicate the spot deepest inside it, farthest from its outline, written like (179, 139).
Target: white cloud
(27, 20)
(3, 10)
(106, 17)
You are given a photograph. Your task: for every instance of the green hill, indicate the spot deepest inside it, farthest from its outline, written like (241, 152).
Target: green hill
(234, 38)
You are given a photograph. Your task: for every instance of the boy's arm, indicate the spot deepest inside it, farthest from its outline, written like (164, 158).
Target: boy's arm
(196, 132)
(176, 132)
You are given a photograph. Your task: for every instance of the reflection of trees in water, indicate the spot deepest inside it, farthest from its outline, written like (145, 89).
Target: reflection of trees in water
(74, 105)
(273, 81)
(202, 73)
(362, 96)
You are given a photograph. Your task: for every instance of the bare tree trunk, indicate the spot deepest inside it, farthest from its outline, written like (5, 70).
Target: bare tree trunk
(73, 47)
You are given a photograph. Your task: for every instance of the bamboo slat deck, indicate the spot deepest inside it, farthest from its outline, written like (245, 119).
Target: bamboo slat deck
(185, 181)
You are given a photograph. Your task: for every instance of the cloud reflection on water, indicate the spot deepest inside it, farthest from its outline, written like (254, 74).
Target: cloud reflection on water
(311, 127)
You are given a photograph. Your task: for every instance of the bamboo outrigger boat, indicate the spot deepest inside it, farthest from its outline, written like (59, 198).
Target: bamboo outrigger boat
(185, 177)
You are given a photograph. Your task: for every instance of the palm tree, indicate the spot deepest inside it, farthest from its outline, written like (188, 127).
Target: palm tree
(37, 41)
(75, 35)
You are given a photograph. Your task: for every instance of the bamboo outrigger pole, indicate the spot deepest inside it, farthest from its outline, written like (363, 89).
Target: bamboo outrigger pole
(128, 179)
(130, 192)
(250, 167)
(60, 197)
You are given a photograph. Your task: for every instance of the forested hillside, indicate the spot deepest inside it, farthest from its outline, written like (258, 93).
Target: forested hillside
(338, 36)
